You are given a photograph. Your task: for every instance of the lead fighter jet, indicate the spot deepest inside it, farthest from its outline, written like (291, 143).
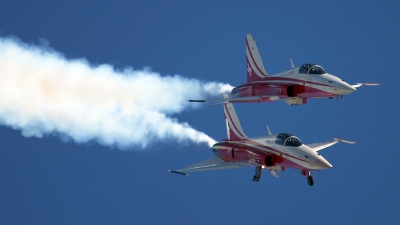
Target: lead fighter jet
(271, 152)
(294, 86)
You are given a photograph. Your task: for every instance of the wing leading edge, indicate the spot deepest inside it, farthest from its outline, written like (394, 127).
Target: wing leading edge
(364, 84)
(323, 145)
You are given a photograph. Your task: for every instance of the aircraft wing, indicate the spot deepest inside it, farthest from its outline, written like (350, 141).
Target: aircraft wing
(323, 145)
(364, 84)
(238, 99)
(215, 163)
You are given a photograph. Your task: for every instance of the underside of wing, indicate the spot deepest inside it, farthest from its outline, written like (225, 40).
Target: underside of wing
(323, 145)
(215, 163)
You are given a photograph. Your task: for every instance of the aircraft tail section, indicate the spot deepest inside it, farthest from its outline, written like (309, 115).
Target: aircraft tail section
(255, 67)
(233, 127)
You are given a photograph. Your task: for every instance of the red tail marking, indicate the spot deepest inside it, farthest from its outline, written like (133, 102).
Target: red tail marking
(232, 134)
(254, 61)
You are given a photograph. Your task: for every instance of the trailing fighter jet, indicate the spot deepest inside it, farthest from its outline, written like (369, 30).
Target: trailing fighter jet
(294, 86)
(271, 152)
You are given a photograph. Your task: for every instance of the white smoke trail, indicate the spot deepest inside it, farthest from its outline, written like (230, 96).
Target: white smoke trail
(42, 93)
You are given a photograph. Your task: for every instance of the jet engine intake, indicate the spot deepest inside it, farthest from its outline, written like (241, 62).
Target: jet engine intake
(271, 160)
(294, 90)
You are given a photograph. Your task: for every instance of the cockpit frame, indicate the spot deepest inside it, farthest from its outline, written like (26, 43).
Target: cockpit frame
(286, 139)
(313, 69)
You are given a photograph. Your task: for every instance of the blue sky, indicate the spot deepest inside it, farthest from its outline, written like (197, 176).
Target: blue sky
(49, 181)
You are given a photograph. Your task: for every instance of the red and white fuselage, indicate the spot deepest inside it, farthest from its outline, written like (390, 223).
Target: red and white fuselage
(299, 83)
(263, 151)
(271, 152)
(294, 86)
(277, 151)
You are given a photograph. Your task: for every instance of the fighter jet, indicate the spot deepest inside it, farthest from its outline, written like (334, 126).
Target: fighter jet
(294, 86)
(271, 152)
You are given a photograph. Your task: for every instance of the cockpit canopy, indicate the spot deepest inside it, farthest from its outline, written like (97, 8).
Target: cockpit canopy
(287, 140)
(311, 69)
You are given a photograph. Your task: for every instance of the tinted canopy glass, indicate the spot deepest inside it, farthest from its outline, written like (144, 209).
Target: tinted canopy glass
(311, 69)
(287, 140)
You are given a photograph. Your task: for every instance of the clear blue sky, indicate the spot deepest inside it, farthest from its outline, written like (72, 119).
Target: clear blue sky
(48, 181)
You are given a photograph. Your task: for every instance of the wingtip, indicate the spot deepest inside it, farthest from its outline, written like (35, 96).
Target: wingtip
(345, 141)
(178, 172)
(365, 84)
(196, 100)
(371, 84)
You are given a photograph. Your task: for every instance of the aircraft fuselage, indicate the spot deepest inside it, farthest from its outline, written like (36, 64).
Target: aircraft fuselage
(269, 152)
(291, 84)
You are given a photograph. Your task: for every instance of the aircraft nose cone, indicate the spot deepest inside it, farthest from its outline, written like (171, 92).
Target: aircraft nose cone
(322, 163)
(345, 88)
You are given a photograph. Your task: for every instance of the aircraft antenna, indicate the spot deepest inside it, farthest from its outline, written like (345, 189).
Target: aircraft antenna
(291, 63)
(269, 132)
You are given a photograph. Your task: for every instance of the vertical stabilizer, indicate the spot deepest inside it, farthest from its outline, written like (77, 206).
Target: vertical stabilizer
(255, 67)
(234, 129)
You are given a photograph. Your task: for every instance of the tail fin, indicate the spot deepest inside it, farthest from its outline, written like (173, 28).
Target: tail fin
(255, 67)
(233, 127)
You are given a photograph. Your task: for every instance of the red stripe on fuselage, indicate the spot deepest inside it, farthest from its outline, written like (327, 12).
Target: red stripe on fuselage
(281, 79)
(263, 151)
(256, 144)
